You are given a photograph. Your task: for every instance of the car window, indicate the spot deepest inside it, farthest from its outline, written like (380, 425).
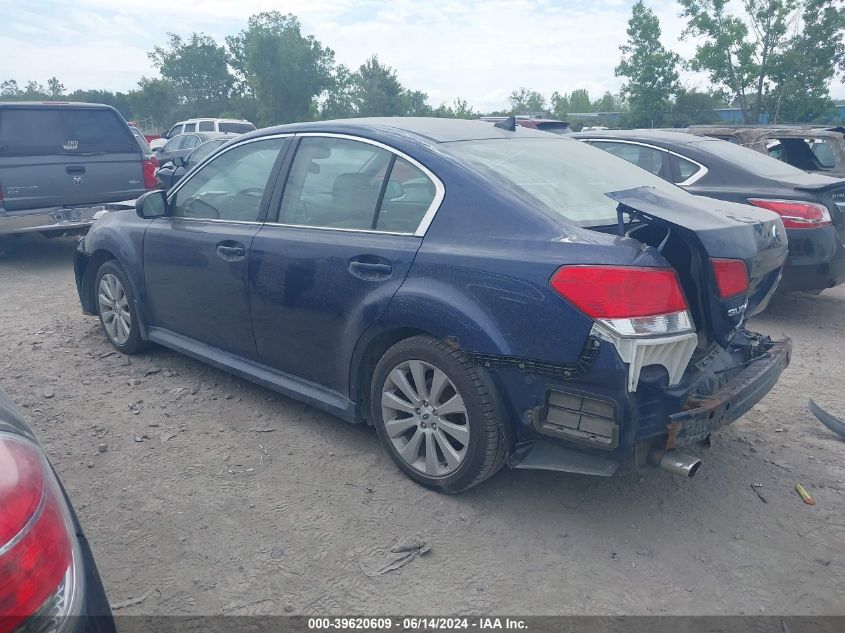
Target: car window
(229, 187)
(823, 149)
(174, 144)
(407, 196)
(206, 126)
(142, 141)
(173, 131)
(754, 162)
(334, 183)
(565, 177)
(199, 154)
(191, 141)
(61, 130)
(190, 127)
(686, 169)
(647, 158)
(235, 128)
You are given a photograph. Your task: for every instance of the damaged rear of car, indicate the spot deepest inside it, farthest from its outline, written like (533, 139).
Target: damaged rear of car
(667, 359)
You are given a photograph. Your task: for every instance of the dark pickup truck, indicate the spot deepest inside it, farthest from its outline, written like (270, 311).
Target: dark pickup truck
(63, 163)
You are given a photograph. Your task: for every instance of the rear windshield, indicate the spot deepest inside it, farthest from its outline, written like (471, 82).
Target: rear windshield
(44, 131)
(567, 177)
(236, 128)
(751, 161)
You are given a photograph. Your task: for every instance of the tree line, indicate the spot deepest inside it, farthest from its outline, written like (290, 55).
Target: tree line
(776, 57)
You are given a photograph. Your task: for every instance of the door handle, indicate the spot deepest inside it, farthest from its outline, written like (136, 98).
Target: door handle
(231, 251)
(75, 169)
(370, 270)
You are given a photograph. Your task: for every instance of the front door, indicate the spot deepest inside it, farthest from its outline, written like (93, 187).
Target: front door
(342, 244)
(196, 259)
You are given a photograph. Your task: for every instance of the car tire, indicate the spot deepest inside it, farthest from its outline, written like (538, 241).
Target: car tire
(469, 446)
(116, 308)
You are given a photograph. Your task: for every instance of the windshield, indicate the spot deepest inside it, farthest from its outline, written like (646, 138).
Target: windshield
(568, 177)
(235, 128)
(751, 161)
(204, 150)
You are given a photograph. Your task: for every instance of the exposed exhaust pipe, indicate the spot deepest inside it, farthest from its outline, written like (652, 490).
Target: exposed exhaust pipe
(680, 464)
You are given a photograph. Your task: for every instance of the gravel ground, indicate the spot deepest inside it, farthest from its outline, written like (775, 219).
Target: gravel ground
(215, 496)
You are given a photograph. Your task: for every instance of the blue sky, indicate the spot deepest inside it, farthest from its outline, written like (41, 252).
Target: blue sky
(479, 50)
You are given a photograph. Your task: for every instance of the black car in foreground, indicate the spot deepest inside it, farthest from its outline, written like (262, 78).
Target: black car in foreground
(48, 580)
(812, 206)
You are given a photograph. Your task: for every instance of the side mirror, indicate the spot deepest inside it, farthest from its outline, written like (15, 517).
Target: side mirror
(152, 204)
(178, 161)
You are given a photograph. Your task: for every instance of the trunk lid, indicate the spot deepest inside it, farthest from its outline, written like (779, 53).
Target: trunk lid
(831, 193)
(690, 230)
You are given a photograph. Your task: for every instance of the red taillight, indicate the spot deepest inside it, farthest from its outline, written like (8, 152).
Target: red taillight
(796, 214)
(731, 277)
(36, 550)
(613, 292)
(150, 181)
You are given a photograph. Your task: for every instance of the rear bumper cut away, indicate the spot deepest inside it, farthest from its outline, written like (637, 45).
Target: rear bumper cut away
(723, 407)
(546, 449)
(54, 220)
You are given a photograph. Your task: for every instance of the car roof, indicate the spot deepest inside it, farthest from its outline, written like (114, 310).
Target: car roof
(200, 119)
(54, 104)
(427, 128)
(652, 136)
(795, 131)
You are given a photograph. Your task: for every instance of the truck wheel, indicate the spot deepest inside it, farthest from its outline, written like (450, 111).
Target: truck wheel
(437, 415)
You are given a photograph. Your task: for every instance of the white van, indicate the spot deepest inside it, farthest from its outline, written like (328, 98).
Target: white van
(226, 126)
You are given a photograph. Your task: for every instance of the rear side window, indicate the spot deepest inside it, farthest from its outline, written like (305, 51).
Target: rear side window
(647, 158)
(236, 128)
(407, 196)
(44, 131)
(334, 183)
(206, 126)
(686, 169)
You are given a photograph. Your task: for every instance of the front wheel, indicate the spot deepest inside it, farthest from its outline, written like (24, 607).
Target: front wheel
(116, 308)
(437, 415)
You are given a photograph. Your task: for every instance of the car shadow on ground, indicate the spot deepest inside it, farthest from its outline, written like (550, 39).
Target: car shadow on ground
(36, 251)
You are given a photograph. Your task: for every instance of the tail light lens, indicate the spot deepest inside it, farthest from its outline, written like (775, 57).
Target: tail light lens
(632, 301)
(150, 181)
(731, 277)
(38, 575)
(796, 214)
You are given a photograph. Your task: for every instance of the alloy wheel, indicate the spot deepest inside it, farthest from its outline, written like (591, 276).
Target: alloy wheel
(425, 418)
(114, 308)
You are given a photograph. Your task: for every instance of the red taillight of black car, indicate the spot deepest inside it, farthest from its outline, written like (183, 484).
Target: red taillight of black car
(149, 166)
(37, 543)
(630, 300)
(731, 277)
(795, 213)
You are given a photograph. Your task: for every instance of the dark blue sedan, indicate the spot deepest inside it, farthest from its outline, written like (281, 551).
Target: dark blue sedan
(480, 294)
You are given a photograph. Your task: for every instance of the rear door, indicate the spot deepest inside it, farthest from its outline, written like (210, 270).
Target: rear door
(53, 156)
(327, 263)
(196, 259)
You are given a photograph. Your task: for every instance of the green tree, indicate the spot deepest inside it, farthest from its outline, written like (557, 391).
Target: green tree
(803, 73)
(416, 103)
(525, 101)
(338, 101)
(10, 89)
(156, 100)
(559, 105)
(694, 108)
(579, 101)
(198, 69)
(740, 52)
(285, 70)
(607, 103)
(378, 91)
(55, 88)
(650, 69)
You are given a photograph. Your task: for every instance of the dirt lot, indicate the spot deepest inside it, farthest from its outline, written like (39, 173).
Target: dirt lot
(217, 496)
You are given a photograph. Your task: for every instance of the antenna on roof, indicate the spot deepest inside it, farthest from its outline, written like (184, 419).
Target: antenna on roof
(508, 124)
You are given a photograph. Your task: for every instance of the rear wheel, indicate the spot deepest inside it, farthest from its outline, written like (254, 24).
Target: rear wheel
(437, 415)
(116, 308)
